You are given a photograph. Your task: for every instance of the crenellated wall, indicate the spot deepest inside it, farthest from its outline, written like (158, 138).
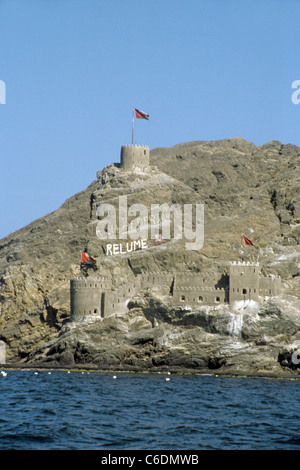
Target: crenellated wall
(157, 279)
(269, 286)
(200, 295)
(118, 299)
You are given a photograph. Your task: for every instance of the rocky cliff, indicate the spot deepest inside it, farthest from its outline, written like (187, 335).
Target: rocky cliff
(245, 189)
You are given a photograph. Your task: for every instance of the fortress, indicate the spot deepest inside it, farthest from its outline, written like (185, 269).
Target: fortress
(98, 297)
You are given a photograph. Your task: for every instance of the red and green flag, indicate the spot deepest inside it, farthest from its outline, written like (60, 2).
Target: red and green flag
(140, 114)
(86, 259)
(249, 242)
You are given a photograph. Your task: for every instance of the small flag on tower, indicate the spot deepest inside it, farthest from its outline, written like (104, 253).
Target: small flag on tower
(140, 114)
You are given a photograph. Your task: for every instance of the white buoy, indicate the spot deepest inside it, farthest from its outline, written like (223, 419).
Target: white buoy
(167, 379)
(3, 373)
(114, 377)
(36, 373)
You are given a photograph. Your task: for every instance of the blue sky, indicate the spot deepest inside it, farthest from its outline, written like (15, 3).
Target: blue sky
(74, 70)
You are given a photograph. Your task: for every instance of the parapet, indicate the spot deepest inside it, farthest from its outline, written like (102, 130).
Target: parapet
(198, 289)
(131, 146)
(243, 263)
(103, 283)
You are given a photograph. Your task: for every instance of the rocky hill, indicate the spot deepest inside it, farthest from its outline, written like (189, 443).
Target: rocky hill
(245, 189)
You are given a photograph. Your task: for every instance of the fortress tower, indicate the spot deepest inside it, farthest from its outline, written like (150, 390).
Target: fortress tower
(88, 297)
(134, 157)
(243, 281)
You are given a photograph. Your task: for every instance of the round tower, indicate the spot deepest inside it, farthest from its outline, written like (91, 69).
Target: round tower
(134, 157)
(87, 298)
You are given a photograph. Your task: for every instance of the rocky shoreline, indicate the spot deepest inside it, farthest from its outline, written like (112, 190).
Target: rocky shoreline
(280, 375)
(153, 338)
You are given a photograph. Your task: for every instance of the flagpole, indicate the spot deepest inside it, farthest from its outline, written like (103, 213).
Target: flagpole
(132, 125)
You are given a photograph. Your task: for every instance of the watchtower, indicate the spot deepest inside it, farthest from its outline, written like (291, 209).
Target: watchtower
(88, 297)
(243, 281)
(134, 157)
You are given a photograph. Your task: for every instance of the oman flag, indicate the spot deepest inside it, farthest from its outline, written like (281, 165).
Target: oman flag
(86, 259)
(249, 242)
(140, 114)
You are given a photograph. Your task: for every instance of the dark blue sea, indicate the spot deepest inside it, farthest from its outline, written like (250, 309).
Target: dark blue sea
(57, 410)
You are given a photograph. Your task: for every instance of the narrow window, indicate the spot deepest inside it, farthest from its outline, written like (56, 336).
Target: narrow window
(244, 291)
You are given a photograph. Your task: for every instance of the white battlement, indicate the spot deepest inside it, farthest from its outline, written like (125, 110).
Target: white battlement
(135, 146)
(243, 263)
(203, 288)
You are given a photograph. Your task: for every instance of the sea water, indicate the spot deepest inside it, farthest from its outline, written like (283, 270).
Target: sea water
(57, 410)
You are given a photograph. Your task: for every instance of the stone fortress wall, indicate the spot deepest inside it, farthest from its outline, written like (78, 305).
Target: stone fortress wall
(96, 297)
